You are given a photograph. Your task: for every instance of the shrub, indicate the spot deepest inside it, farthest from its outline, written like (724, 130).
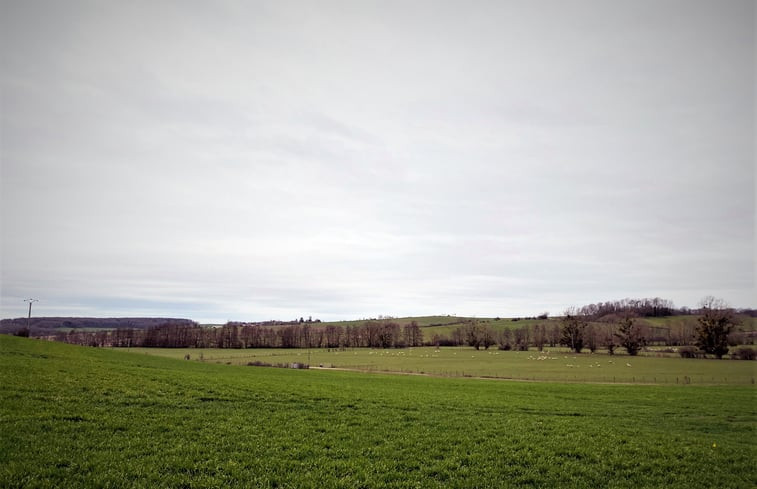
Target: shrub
(631, 336)
(716, 323)
(688, 352)
(744, 353)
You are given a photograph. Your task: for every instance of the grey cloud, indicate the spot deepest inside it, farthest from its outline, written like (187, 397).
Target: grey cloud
(253, 160)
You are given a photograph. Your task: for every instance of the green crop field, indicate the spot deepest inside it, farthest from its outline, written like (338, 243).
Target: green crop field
(83, 417)
(554, 364)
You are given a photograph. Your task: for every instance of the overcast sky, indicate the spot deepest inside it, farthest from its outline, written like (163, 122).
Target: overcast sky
(255, 160)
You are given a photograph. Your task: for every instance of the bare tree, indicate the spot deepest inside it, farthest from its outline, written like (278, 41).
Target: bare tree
(540, 336)
(631, 336)
(413, 334)
(573, 329)
(333, 336)
(608, 339)
(591, 338)
(504, 339)
(554, 335)
(487, 337)
(716, 321)
(522, 338)
(478, 335)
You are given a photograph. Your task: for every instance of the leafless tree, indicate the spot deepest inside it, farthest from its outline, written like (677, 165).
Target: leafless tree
(631, 335)
(574, 326)
(716, 321)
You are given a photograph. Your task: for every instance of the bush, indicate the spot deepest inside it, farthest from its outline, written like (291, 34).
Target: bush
(688, 352)
(744, 353)
(258, 363)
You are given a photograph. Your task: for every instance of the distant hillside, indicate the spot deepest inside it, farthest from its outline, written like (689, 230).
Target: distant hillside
(429, 321)
(422, 321)
(42, 326)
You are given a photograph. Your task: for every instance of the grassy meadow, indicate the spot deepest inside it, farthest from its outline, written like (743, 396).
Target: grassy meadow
(553, 364)
(83, 417)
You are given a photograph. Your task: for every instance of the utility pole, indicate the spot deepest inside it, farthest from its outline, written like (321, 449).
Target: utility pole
(29, 318)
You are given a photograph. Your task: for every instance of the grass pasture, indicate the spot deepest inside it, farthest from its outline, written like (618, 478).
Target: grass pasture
(551, 365)
(83, 417)
(422, 321)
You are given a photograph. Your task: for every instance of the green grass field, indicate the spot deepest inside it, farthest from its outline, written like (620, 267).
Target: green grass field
(82, 417)
(422, 321)
(554, 364)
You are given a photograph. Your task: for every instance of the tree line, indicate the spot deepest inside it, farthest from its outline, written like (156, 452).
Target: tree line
(714, 333)
(646, 307)
(608, 326)
(43, 326)
(372, 334)
(620, 324)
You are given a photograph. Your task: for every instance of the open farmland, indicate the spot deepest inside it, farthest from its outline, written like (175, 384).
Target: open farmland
(77, 417)
(554, 364)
